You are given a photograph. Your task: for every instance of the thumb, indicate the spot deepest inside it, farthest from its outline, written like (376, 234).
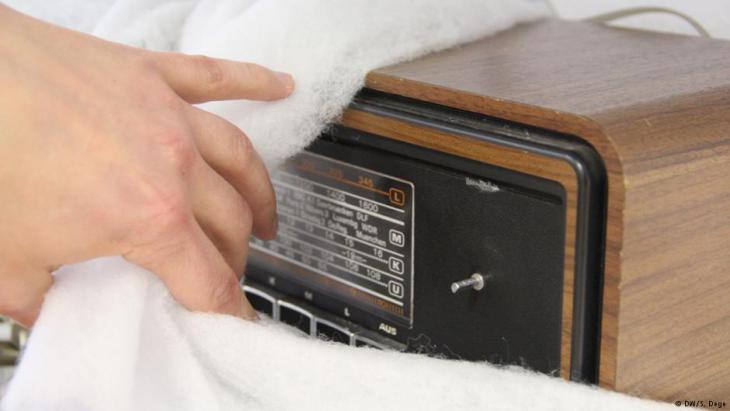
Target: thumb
(22, 292)
(193, 270)
(199, 78)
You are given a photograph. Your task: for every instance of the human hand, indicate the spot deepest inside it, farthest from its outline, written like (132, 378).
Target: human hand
(102, 153)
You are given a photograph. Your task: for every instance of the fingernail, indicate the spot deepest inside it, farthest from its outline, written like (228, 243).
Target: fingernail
(276, 226)
(286, 80)
(247, 312)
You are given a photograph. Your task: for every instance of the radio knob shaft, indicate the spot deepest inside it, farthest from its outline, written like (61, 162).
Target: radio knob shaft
(475, 282)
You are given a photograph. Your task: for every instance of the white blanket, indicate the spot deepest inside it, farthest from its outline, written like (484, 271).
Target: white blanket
(110, 337)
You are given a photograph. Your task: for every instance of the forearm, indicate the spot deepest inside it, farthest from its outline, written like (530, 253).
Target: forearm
(6, 20)
(9, 19)
(14, 29)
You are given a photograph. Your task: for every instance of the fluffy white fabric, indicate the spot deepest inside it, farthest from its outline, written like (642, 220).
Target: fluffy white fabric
(328, 45)
(115, 340)
(110, 337)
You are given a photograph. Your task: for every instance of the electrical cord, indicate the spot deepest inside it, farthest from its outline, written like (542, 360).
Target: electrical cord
(619, 14)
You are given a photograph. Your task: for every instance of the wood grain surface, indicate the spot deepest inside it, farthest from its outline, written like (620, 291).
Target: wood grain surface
(657, 109)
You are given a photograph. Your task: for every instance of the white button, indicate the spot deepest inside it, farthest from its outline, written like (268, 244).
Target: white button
(395, 265)
(396, 238)
(395, 289)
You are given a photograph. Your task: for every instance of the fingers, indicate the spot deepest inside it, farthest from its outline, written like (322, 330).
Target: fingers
(223, 215)
(171, 243)
(199, 78)
(21, 294)
(191, 267)
(230, 153)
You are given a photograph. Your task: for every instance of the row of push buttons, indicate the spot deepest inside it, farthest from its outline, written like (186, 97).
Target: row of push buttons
(313, 322)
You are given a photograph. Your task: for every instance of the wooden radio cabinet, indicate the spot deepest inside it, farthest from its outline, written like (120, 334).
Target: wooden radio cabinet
(656, 107)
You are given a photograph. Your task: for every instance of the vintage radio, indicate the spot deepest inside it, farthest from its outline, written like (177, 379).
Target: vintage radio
(556, 196)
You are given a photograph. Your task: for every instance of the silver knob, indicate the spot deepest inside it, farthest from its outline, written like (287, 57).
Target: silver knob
(475, 282)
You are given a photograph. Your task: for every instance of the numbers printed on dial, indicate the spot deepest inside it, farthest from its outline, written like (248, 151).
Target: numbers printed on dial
(347, 224)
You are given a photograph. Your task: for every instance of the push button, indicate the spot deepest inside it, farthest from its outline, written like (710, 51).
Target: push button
(296, 317)
(365, 338)
(362, 342)
(261, 301)
(332, 332)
